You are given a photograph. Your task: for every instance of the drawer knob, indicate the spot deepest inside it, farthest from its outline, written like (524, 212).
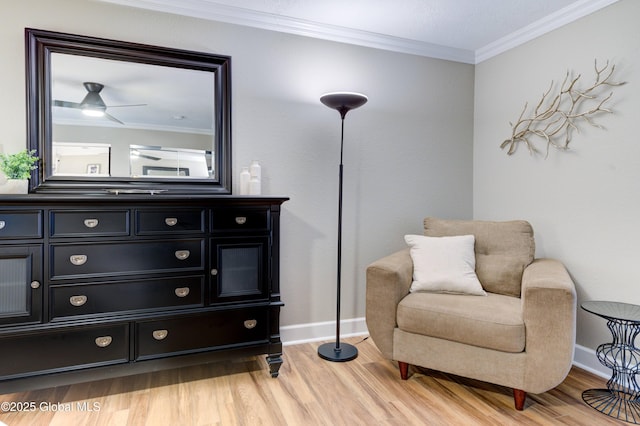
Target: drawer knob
(171, 221)
(35, 284)
(78, 259)
(160, 334)
(78, 300)
(2, 224)
(214, 272)
(182, 254)
(250, 323)
(241, 220)
(91, 223)
(103, 341)
(182, 291)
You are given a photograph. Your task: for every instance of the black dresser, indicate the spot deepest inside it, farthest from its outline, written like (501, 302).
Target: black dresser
(101, 286)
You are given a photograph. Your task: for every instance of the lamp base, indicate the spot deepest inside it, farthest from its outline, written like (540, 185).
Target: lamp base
(329, 352)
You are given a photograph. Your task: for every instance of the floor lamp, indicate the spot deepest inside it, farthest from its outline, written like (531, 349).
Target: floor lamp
(343, 102)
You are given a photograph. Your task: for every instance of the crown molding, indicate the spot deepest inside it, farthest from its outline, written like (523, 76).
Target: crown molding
(536, 29)
(205, 9)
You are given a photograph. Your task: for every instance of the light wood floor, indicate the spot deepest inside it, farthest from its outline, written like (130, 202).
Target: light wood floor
(309, 391)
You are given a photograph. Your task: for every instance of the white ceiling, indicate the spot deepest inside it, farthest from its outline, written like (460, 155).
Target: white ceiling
(460, 30)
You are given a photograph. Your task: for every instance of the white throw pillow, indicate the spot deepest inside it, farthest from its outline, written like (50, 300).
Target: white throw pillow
(444, 264)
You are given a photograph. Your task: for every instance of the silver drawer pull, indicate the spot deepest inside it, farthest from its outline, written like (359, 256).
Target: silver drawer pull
(35, 284)
(103, 341)
(241, 220)
(78, 259)
(160, 334)
(2, 224)
(78, 300)
(171, 221)
(250, 323)
(91, 223)
(182, 254)
(182, 291)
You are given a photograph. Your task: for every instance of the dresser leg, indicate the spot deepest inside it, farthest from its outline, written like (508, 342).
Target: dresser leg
(274, 361)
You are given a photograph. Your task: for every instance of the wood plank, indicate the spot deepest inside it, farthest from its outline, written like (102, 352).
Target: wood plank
(309, 391)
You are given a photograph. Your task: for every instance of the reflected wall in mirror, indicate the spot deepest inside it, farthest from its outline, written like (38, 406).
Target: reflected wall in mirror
(95, 104)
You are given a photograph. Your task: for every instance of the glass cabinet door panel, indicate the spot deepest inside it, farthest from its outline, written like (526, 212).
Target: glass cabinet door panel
(241, 273)
(13, 292)
(239, 270)
(20, 284)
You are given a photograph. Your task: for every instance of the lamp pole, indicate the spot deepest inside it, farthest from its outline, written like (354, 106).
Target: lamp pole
(343, 102)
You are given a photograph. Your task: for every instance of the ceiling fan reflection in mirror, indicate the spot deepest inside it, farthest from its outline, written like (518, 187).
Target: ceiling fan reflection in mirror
(92, 105)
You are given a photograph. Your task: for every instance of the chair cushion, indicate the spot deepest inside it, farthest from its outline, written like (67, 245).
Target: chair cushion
(493, 322)
(503, 249)
(444, 264)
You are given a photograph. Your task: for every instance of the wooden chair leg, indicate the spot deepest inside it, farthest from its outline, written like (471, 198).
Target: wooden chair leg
(519, 397)
(404, 370)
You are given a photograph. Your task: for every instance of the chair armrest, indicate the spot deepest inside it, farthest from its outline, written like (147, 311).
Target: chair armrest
(549, 311)
(388, 281)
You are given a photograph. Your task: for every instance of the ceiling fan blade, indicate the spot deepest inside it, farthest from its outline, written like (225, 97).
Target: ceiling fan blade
(66, 104)
(120, 106)
(93, 102)
(112, 118)
(135, 153)
(150, 157)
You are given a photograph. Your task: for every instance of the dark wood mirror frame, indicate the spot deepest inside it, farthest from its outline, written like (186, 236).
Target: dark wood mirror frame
(40, 44)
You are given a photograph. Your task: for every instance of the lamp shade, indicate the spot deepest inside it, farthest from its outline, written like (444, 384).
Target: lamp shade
(343, 101)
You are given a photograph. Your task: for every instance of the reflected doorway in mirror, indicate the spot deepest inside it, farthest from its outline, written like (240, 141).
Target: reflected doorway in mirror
(81, 159)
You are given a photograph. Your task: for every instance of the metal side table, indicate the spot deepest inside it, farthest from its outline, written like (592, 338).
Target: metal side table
(621, 399)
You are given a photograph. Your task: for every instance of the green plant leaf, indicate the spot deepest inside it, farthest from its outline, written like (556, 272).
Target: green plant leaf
(20, 165)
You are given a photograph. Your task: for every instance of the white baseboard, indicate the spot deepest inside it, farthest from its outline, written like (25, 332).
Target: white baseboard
(313, 332)
(583, 357)
(586, 359)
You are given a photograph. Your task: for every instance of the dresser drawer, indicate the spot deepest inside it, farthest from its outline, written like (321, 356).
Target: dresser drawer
(122, 258)
(201, 332)
(239, 219)
(89, 222)
(64, 349)
(24, 224)
(129, 296)
(164, 221)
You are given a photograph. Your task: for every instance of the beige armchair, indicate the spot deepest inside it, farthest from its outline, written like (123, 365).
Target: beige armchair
(520, 335)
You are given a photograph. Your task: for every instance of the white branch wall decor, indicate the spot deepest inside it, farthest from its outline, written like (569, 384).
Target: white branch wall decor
(555, 117)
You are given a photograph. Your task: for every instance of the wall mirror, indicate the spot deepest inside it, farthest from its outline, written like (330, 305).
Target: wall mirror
(107, 115)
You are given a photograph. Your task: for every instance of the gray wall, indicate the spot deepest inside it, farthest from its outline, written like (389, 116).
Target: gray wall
(408, 152)
(584, 203)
